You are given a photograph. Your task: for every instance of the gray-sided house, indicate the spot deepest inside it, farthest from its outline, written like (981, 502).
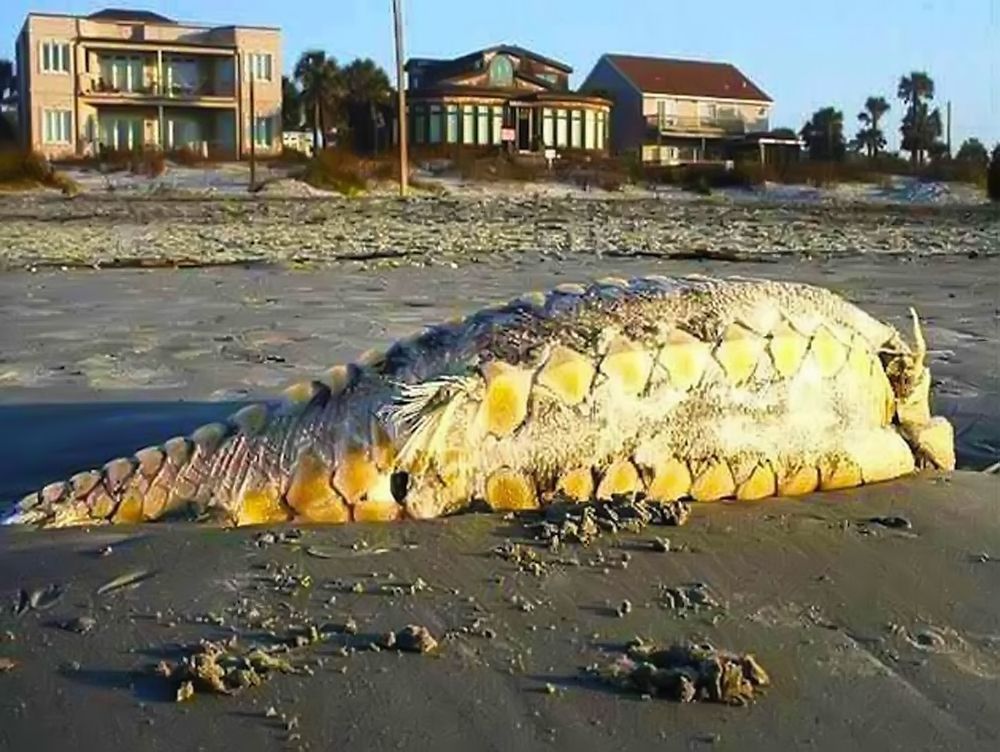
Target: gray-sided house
(673, 111)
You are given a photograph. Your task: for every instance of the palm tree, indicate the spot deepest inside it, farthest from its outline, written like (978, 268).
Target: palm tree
(921, 126)
(291, 105)
(824, 135)
(366, 88)
(365, 82)
(915, 88)
(870, 136)
(321, 83)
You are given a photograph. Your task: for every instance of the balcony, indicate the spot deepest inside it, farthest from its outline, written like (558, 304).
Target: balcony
(707, 126)
(99, 89)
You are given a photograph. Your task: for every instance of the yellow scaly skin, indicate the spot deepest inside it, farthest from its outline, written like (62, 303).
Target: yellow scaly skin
(670, 387)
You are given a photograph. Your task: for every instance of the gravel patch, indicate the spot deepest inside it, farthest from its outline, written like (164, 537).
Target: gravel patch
(46, 230)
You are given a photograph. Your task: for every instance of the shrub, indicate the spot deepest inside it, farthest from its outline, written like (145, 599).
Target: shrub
(428, 186)
(25, 170)
(291, 156)
(17, 167)
(336, 170)
(151, 163)
(115, 160)
(808, 172)
(188, 157)
(993, 175)
(500, 166)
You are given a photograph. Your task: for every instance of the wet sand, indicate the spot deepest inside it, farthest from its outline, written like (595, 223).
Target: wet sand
(874, 637)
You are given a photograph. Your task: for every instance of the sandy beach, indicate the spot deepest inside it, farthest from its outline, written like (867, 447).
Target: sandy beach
(874, 636)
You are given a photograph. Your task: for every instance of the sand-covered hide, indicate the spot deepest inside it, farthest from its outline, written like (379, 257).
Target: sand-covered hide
(175, 349)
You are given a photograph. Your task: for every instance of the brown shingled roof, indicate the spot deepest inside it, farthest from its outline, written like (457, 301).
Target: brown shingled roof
(694, 78)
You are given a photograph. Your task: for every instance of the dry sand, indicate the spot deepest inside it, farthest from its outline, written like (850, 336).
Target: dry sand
(874, 637)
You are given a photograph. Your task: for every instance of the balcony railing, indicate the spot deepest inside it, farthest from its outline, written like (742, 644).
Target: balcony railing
(153, 90)
(714, 125)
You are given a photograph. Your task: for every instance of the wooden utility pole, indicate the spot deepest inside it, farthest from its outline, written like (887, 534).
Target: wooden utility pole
(401, 119)
(949, 129)
(253, 135)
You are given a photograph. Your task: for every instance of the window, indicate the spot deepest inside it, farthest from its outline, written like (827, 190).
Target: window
(259, 64)
(601, 129)
(451, 128)
(501, 71)
(185, 131)
(548, 128)
(434, 131)
(589, 129)
(419, 124)
(576, 133)
(562, 128)
(550, 78)
(707, 112)
(121, 73)
(497, 124)
(58, 126)
(263, 131)
(666, 111)
(182, 76)
(121, 132)
(468, 124)
(55, 57)
(482, 124)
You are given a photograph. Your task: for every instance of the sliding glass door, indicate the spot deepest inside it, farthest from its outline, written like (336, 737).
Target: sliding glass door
(121, 132)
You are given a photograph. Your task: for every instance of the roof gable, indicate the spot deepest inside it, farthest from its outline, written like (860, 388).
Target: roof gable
(440, 68)
(126, 14)
(693, 78)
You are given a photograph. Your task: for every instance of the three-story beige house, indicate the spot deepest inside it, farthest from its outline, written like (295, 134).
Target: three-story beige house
(671, 111)
(124, 79)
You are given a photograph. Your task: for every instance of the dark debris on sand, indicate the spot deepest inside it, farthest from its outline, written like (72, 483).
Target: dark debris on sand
(694, 596)
(227, 668)
(583, 523)
(685, 673)
(223, 668)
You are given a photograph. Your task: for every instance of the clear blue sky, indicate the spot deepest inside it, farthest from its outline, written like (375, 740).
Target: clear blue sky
(805, 54)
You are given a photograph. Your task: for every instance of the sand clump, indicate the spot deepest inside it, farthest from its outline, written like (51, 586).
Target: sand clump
(584, 523)
(686, 673)
(227, 668)
(222, 668)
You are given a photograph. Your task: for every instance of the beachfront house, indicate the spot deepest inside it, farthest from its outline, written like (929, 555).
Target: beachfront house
(132, 79)
(503, 96)
(672, 111)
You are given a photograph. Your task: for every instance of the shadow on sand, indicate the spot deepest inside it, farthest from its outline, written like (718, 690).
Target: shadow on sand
(42, 443)
(46, 442)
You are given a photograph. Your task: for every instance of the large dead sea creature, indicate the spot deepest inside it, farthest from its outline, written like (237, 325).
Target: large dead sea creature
(668, 388)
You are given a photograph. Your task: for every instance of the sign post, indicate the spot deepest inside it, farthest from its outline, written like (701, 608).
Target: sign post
(401, 120)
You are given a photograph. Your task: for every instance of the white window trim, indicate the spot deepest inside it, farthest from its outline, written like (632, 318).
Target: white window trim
(58, 43)
(253, 56)
(265, 143)
(68, 141)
